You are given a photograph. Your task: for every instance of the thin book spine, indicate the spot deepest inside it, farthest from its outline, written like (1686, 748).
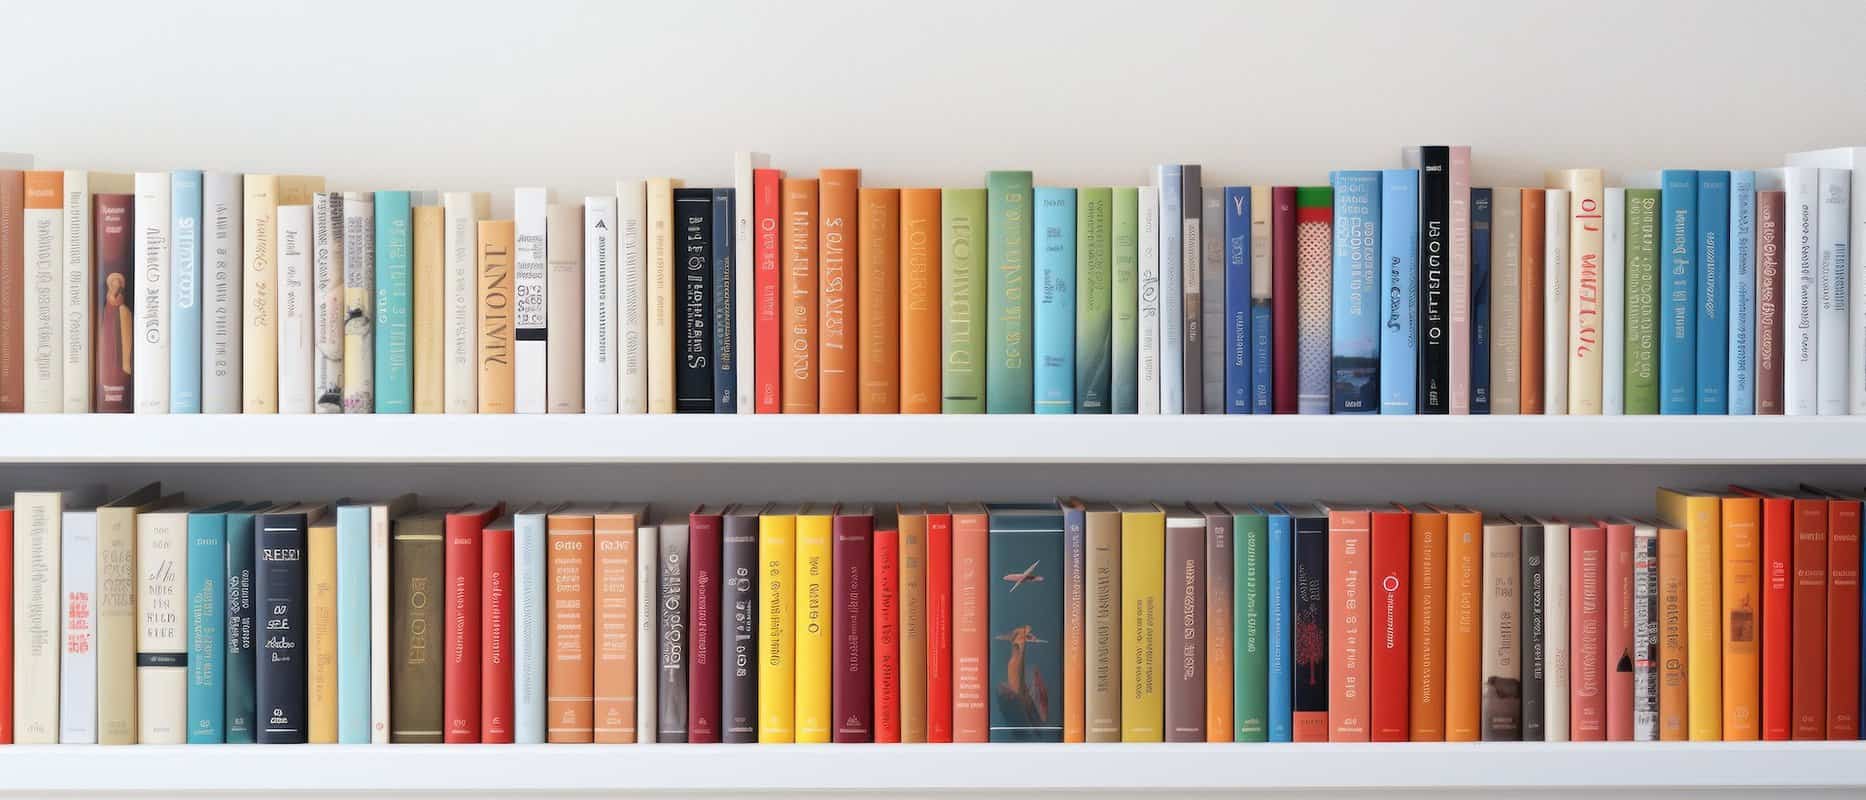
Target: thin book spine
(1147, 328)
(563, 300)
(185, 292)
(1399, 292)
(359, 288)
(394, 357)
(1170, 181)
(1712, 296)
(724, 324)
(530, 276)
(1124, 377)
(1741, 365)
(1237, 300)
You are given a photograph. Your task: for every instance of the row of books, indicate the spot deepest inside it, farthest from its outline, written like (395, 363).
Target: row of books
(1735, 616)
(1388, 291)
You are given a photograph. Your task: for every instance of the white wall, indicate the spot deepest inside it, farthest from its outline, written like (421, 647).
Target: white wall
(483, 95)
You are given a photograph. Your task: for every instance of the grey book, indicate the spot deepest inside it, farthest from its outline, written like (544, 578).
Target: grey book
(1212, 301)
(738, 689)
(672, 633)
(1534, 635)
(1645, 632)
(1191, 257)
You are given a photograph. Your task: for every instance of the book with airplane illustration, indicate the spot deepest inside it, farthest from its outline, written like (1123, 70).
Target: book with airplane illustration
(1026, 619)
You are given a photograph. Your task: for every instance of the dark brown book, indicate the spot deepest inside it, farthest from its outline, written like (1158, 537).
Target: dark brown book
(1770, 264)
(1185, 595)
(852, 681)
(417, 570)
(115, 224)
(12, 289)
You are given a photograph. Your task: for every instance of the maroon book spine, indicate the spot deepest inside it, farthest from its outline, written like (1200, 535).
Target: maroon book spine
(704, 547)
(852, 685)
(1770, 208)
(115, 222)
(1283, 336)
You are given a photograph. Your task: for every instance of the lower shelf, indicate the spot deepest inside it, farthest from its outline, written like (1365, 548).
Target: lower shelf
(996, 769)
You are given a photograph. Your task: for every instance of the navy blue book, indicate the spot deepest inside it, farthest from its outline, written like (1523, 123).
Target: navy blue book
(1309, 616)
(1026, 619)
(693, 301)
(725, 356)
(1237, 333)
(1480, 301)
(279, 587)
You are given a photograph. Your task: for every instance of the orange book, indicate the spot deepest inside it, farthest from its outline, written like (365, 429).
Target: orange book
(920, 301)
(615, 645)
(1349, 562)
(1534, 235)
(1674, 649)
(1464, 628)
(971, 641)
(1742, 615)
(1808, 688)
(1220, 601)
(496, 331)
(838, 247)
(879, 312)
(797, 307)
(1426, 626)
(569, 677)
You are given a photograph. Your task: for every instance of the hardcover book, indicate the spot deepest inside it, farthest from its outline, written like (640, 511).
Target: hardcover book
(185, 240)
(1236, 337)
(1711, 298)
(150, 354)
(1355, 331)
(886, 633)
(1054, 312)
(462, 213)
(496, 332)
(838, 251)
(914, 622)
(878, 302)
(320, 623)
(1124, 368)
(429, 307)
(417, 554)
(962, 284)
(1619, 630)
(1434, 165)
(1220, 601)
(723, 314)
(1643, 302)
(1555, 295)
(1459, 242)
(1531, 302)
(1281, 624)
(1170, 178)
(497, 686)
(327, 302)
(1464, 628)
(1741, 364)
(1741, 593)
(1314, 267)
(394, 329)
(1835, 267)
(777, 620)
(1587, 636)
(1092, 277)
(1143, 604)
(1262, 281)
(766, 254)
(530, 281)
(799, 304)
(1534, 593)
(1505, 321)
(1008, 358)
(971, 627)
(162, 632)
(852, 680)
(1211, 305)
(564, 251)
(614, 649)
(704, 636)
(920, 294)
(1309, 623)
(571, 608)
(1026, 614)
(1399, 291)
(1350, 562)
(1185, 632)
(297, 344)
(672, 643)
(1286, 330)
(665, 263)
(359, 296)
(600, 273)
(739, 575)
(1699, 514)
(1646, 632)
(463, 571)
(1147, 329)
(115, 335)
(1481, 330)
(941, 616)
(1585, 282)
(1102, 623)
(77, 661)
(279, 588)
(1426, 620)
(1192, 287)
(1679, 244)
(1502, 603)
(693, 370)
(1390, 639)
(815, 650)
(1557, 545)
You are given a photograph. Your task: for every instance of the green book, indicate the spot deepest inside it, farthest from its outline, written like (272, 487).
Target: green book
(1642, 301)
(1009, 377)
(1125, 375)
(1094, 299)
(962, 281)
(1251, 696)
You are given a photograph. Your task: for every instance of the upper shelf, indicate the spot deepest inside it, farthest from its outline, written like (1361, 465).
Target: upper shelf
(512, 439)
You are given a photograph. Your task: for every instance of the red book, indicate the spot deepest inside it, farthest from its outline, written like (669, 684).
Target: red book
(767, 357)
(1843, 618)
(1778, 545)
(495, 632)
(887, 636)
(1389, 690)
(1619, 653)
(1587, 620)
(1283, 333)
(852, 678)
(939, 627)
(705, 547)
(1808, 688)
(460, 710)
(6, 625)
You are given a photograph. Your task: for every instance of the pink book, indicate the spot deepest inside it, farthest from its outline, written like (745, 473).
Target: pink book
(1619, 660)
(1460, 263)
(1587, 620)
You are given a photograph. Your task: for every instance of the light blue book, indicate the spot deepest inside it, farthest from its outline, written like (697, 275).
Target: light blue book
(1713, 290)
(395, 322)
(1282, 718)
(1354, 375)
(1399, 291)
(528, 620)
(184, 350)
(1237, 328)
(353, 625)
(1172, 291)
(1055, 323)
(1742, 249)
(1262, 368)
(207, 623)
(1678, 329)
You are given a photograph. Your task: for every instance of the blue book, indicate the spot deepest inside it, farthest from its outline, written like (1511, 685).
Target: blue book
(1480, 301)
(240, 663)
(353, 625)
(1678, 330)
(1055, 315)
(725, 357)
(1262, 335)
(184, 351)
(1237, 333)
(395, 321)
(1713, 290)
(207, 623)
(1399, 291)
(1171, 180)
(1742, 249)
(1355, 330)
(1282, 557)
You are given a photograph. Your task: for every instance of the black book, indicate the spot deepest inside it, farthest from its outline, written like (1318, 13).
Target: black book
(738, 687)
(1309, 612)
(1480, 301)
(1534, 639)
(693, 301)
(725, 357)
(672, 627)
(1435, 280)
(279, 673)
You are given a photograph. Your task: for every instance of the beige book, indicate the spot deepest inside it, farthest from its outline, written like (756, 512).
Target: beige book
(380, 531)
(563, 293)
(647, 680)
(321, 634)
(495, 317)
(116, 612)
(1506, 270)
(660, 299)
(162, 626)
(1586, 229)
(259, 337)
(430, 308)
(1102, 618)
(463, 212)
(37, 529)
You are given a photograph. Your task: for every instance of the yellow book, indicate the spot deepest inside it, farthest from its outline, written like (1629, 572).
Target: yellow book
(660, 299)
(813, 628)
(1464, 629)
(1742, 617)
(496, 331)
(1698, 514)
(777, 624)
(1143, 601)
(321, 636)
(259, 332)
(430, 307)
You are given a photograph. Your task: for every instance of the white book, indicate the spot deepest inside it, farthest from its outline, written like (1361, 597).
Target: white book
(1555, 598)
(1149, 294)
(647, 681)
(1613, 306)
(1555, 307)
(745, 302)
(462, 212)
(161, 637)
(77, 682)
(151, 292)
(530, 223)
(75, 294)
(1832, 235)
(38, 522)
(1172, 300)
(327, 302)
(381, 534)
(631, 297)
(530, 653)
(599, 305)
(359, 294)
(297, 339)
(223, 214)
(43, 306)
(1852, 159)
(1801, 292)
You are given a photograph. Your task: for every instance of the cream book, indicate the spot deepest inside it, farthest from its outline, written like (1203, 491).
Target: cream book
(259, 373)
(45, 264)
(223, 214)
(1555, 345)
(531, 359)
(116, 611)
(38, 519)
(430, 306)
(744, 282)
(1555, 620)
(77, 679)
(632, 297)
(460, 366)
(660, 295)
(74, 293)
(599, 305)
(359, 303)
(647, 681)
(382, 516)
(161, 627)
(327, 301)
(563, 301)
(1586, 231)
(149, 359)
(297, 339)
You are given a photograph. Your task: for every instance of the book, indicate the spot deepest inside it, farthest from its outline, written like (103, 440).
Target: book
(962, 284)
(496, 332)
(1481, 331)
(1075, 634)
(1843, 613)
(1350, 563)
(663, 263)
(914, 621)
(647, 634)
(352, 572)
(1459, 308)
(724, 325)
(1220, 604)
(1184, 693)
(632, 297)
(600, 273)
(462, 212)
(1355, 328)
(704, 637)
(1777, 619)
(1237, 310)
(1741, 364)
(1741, 590)
(799, 306)
(417, 555)
(1801, 292)
(1008, 360)
(570, 605)
(12, 284)
(1143, 602)
(838, 248)
(75, 291)
(941, 612)
(530, 280)
(764, 251)
(1557, 628)
(879, 312)
(498, 687)
(777, 621)
(1147, 329)
(739, 576)
(1314, 266)
(1425, 622)
(463, 571)
(1026, 613)
(1808, 698)
(1846, 162)
(44, 248)
(1309, 586)
(1645, 632)
(1835, 376)
(279, 587)
(1281, 624)
(971, 636)
(1434, 165)
(1211, 307)
(672, 626)
(1531, 303)
(77, 659)
(185, 252)
(617, 558)
(394, 321)
(1250, 637)
(242, 634)
(297, 342)
(1678, 200)
(815, 653)
(1124, 367)
(1192, 287)
(1399, 291)
(1534, 637)
(886, 634)
(1053, 350)
(920, 301)
(1674, 611)
(1643, 300)
(115, 335)
(1464, 639)
(381, 655)
(428, 224)
(1619, 629)
(35, 616)
(1585, 284)
(327, 303)
(693, 282)
(1556, 266)
(1389, 640)
(1587, 579)
(745, 166)
(259, 295)
(1170, 181)
(1505, 303)
(320, 629)
(1102, 623)
(1698, 513)
(563, 309)
(851, 610)
(162, 633)
(150, 282)
(1711, 298)
(1502, 712)
(359, 302)
(1092, 278)
(1261, 283)
(1285, 327)
(1613, 304)
(6, 627)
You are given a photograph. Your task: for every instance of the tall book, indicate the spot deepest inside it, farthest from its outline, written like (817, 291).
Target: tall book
(498, 688)
(1093, 280)
(530, 651)
(1102, 623)
(921, 310)
(1251, 571)
(971, 630)
(1220, 605)
(12, 284)
(941, 613)
(878, 308)
(1808, 699)
(1741, 614)
(1053, 350)
(1587, 641)
(359, 302)
(1008, 254)
(259, 294)
(1464, 639)
(297, 344)
(1643, 303)
(1314, 277)
(6, 626)
(852, 678)
(418, 564)
(1281, 624)
(1555, 293)
(75, 289)
(1480, 300)
(460, 640)
(815, 654)
(1285, 334)
(693, 323)
(1309, 587)
(1530, 301)
(1674, 616)
(1586, 227)
(601, 324)
(1678, 211)
(185, 240)
(280, 678)
(1801, 292)
(1837, 377)
(1849, 166)
(1236, 341)
(569, 677)
(1619, 629)
(77, 659)
(161, 638)
(1192, 287)
(1170, 180)
(115, 334)
(1075, 620)
(913, 620)
(963, 283)
(1425, 622)
(632, 297)
(799, 307)
(739, 576)
(777, 623)
(1843, 613)
(1557, 628)
(1124, 259)
(617, 558)
(1261, 284)
(886, 633)
(242, 641)
(1185, 630)
(1711, 299)
(35, 616)
(1147, 340)
(429, 307)
(647, 634)
(530, 281)
(320, 630)
(672, 621)
(354, 573)
(1355, 328)
(151, 285)
(327, 304)
(45, 258)
(1613, 304)
(1699, 514)
(1143, 605)
(1350, 563)
(1399, 291)
(1776, 620)
(838, 248)
(1645, 632)
(462, 212)
(703, 635)
(1389, 648)
(1026, 615)
(1434, 165)
(724, 294)
(1741, 364)
(1459, 317)
(381, 597)
(1506, 308)
(1534, 593)
(1502, 603)
(1211, 305)
(662, 264)
(496, 332)
(394, 356)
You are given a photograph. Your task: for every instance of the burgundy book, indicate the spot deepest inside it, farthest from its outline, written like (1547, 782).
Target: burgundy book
(704, 546)
(115, 218)
(852, 676)
(1770, 274)
(13, 288)
(1283, 335)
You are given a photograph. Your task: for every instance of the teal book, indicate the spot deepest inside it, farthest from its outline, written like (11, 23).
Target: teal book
(185, 238)
(1025, 609)
(1124, 369)
(1008, 251)
(1094, 312)
(962, 287)
(1251, 696)
(1055, 312)
(207, 623)
(353, 624)
(395, 319)
(241, 616)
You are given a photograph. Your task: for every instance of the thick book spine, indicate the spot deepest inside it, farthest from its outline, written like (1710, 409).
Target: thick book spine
(739, 576)
(1354, 379)
(838, 250)
(600, 323)
(1534, 630)
(186, 232)
(151, 285)
(327, 306)
(1587, 578)
(1170, 179)
(1009, 252)
(1435, 280)
(241, 636)
(74, 292)
(35, 598)
(1808, 704)
(7, 629)
(1092, 276)
(1053, 352)
(777, 627)
(1643, 301)
(1646, 622)
(1619, 632)
(496, 332)
(1481, 329)
(1124, 279)
(919, 301)
(1502, 659)
(1426, 620)
(1251, 692)
(320, 629)
(355, 656)
(1314, 268)
(1531, 302)
(1741, 364)
(1211, 306)
(496, 688)
(1350, 561)
(161, 638)
(1778, 587)
(570, 608)
(563, 301)
(1185, 633)
(530, 367)
(359, 298)
(1237, 303)
(1835, 268)
(878, 302)
(296, 337)
(963, 284)
(852, 681)
(1843, 613)
(1585, 242)
(1192, 288)
(800, 385)
(77, 661)
(529, 651)
(1143, 600)
(281, 668)
(460, 640)
(1742, 600)
(1389, 642)
(394, 357)
(1399, 291)
(1555, 292)
(1309, 629)
(632, 345)
(614, 622)
(767, 256)
(705, 544)
(1711, 298)
(418, 562)
(1464, 628)
(1147, 289)
(45, 256)
(1281, 547)
(1025, 618)
(1678, 327)
(940, 618)
(886, 633)
(693, 371)
(971, 630)
(207, 613)
(723, 319)
(671, 634)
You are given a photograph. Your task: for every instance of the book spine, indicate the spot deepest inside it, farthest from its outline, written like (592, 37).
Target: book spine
(359, 290)
(296, 338)
(35, 598)
(327, 307)
(1587, 640)
(1091, 275)
(1741, 364)
(1704, 631)
(1355, 327)
(1619, 634)
(800, 386)
(1008, 362)
(962, 283)
(1711, 297)
(280, 670)
(886, 636)
(1809, 685)
(815, 651)
(1534, 632)
(837, 286)
(44, 249)
(77, 661)
(1530, 301)
(600, 357)
(7, 628)
(530, 271)
(1172, 219)
(647, 634)
(693, 371)
(565, 328)
(462, 213)
(240, 642)
(613, 568)
(940, 628)
(1585, 243)
(355, 655)
(1147, 333)
(1481, 329)
(1143, 600)
(1282, 629)
(1459, 267)
(393, 380)
(1464, 630)
(971, 549)
(662, 273)
(766, 255)
(428, 231)
(259, 344)
(569, 678)
(705, 542)
(497, 687)
(418, 562)
(321, 707)
(1185, 634)
(1124, 279)
(915, 620)
(1211, 305)
(852, 678)
(1192, 286)
(1390, 568)
(1678, 330)
(739, 574)
(919, 301)
(1502, 658)
(1399, 291)
(1741, 592)
(161, 641)
(632, 345)
(1024, 711)
(723, 316)
(380, 597)
(496, 362)
(1074, 568)
(1101, 703)
(1831, 241)
(1843, 614)
(1309, 618)
(1505, 302)
(151, 285)
(1261, 281)
(1646, 622)
(461, 640)
(1435, 280)
(777, 628)
(1778, 587)
(1426, 620)
(74, 291)
(1555, 294)
(1349, 564)
(1053, 351)
(529, 607)
(672, 627)
(1220, 605)
(1643, 301)
(878, 311)
(1251, 694)
(1314, 267)
(185, 292)
(1674, 695)
(13, 284)
(1237, 311)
